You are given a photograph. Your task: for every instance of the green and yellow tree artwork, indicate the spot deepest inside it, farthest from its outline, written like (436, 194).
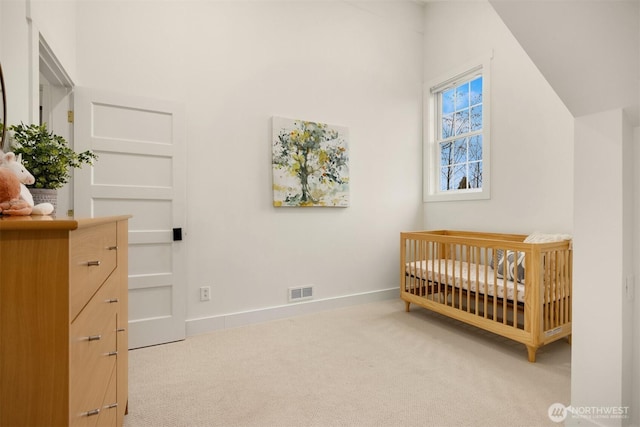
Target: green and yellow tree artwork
(310, 164)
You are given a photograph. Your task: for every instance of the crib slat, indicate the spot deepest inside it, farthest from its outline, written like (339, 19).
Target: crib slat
(565, 287)
(417, 267)
(460, 284)
(424, 272)
(437, 254)
(430, 284)
(477, 260)
(448, 289)
(430, 274)
(487, 251)
(561, 283)
(441, 253)
(567, 284)
(554, 291)
(425, 257)
(412, 266)
(468, 251)
(504, 291)
(455, 289)
(561, 287)
(545, 294)
(557, 290)
(458, 279)
(420, 272)
(420, 269)
(494, 313)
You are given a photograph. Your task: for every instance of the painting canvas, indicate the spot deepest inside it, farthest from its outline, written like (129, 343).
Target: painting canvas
(310, 164)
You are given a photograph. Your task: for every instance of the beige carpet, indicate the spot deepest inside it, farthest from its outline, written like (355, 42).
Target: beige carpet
(367, 365)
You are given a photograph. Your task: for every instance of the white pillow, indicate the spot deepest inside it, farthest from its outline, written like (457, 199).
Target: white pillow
(546, 238)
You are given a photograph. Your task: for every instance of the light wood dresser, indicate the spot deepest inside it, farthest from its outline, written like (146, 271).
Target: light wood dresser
(63, 321)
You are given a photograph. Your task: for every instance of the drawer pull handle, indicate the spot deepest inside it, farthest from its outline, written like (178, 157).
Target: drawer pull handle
(112, 248)
(112, 300)
(94, 338)
(113, 353)
(112, 405)
(120, 330)
(93, 263)
(93, 412)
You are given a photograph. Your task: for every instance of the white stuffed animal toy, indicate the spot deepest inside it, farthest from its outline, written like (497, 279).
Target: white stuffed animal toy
(13, 163)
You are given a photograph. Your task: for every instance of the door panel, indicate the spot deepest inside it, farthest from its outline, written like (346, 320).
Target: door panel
(140, 171)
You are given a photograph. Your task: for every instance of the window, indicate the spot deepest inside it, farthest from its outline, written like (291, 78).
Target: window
(457, 136)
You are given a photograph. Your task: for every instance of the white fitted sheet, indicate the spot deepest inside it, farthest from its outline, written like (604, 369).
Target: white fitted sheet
(474, 277)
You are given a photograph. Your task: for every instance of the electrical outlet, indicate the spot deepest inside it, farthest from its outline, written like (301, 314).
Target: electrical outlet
(205, 293)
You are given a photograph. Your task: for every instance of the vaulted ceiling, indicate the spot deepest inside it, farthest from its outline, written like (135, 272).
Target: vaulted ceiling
(588, 50)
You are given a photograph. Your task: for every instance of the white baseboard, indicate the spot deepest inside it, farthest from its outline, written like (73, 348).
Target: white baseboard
(232, 320)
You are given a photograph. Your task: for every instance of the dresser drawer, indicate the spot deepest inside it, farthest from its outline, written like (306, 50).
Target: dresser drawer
(109, 413)
(103, 414)
(92, 258)
(93, 354)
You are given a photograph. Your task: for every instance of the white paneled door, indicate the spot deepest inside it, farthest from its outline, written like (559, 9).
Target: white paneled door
(140, 171)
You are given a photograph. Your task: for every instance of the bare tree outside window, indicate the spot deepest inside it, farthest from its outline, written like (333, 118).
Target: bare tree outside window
(460, 136)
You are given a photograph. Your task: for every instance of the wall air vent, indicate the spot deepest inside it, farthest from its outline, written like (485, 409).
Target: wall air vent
(300, 293)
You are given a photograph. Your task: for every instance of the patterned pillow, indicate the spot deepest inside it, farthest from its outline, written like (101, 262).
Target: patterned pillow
(515, 267)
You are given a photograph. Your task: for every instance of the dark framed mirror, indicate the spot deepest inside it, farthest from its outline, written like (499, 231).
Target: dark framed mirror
(3, 113)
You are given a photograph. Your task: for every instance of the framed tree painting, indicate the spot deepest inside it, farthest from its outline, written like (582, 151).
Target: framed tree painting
(310, 164)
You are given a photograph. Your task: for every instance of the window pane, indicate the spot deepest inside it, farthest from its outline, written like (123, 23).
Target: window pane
(475, 175)
(461, 122)
(446, 178)
(447, 101)
(476, 117)
(462, 96)
(475, 148)
(476, 91)
(446, 157)
(460, 150)
(460, 177)
(447, 126)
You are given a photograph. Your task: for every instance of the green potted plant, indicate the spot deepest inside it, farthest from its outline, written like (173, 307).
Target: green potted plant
(48, 157)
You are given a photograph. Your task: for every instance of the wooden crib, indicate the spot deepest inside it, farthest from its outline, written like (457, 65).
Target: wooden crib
(501, 283)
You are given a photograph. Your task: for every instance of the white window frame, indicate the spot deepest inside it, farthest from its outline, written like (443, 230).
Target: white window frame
(432, 192)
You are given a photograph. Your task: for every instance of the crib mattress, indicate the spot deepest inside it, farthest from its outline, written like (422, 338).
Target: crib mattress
(460, 274)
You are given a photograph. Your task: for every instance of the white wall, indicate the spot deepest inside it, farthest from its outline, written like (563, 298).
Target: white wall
(22, 23)
(15, 36)
(576, 32)
(628, 260)
(635, 370)
(236, 64)
(600, 143)
(531, 130)
(55, 21)
(601, 361)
